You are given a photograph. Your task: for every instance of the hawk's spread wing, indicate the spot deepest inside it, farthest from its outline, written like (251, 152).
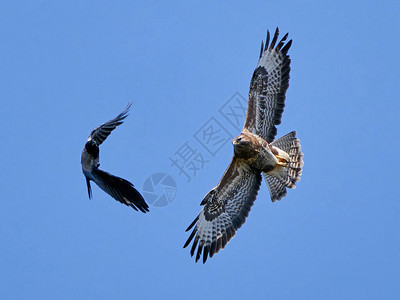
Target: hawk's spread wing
(99, 134)
(268, 87)
(226, 208)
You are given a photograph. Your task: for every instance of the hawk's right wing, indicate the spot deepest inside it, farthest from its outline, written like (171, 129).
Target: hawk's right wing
(268, 87)
(225, 209)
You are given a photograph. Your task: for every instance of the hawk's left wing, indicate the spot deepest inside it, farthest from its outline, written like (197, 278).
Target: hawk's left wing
(268, 87)
(226, 208)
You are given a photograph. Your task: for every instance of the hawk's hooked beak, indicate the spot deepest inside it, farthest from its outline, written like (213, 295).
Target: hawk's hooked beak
(239, 140)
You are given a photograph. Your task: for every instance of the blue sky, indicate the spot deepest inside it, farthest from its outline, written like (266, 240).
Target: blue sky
(69, 66)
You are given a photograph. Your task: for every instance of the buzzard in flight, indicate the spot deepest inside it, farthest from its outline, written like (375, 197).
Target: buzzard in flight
(118, 188)
(255, 152)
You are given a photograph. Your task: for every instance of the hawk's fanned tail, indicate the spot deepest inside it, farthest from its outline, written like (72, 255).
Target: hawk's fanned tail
(285, 177)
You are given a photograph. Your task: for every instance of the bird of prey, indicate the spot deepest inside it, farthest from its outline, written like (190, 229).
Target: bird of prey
(118, 188)
(227, 205)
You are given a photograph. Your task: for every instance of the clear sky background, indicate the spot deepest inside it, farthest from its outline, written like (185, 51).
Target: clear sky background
(69, 66)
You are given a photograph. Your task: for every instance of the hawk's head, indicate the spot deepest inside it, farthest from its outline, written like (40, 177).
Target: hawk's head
(243, 146)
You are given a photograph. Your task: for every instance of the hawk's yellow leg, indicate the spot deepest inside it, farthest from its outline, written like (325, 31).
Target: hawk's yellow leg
(281, 161)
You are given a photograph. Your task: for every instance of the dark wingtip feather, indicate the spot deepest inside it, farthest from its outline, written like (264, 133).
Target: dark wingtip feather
(274, 39)
(199, 250)
(267, 40)
(281, 42)
(213, 248)
(287, 47)
(219, 245)
(205, 253)
(190, 238)
(224, 241)
(229, 233)
(262, 48)
(192, 224)
(196, 240)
